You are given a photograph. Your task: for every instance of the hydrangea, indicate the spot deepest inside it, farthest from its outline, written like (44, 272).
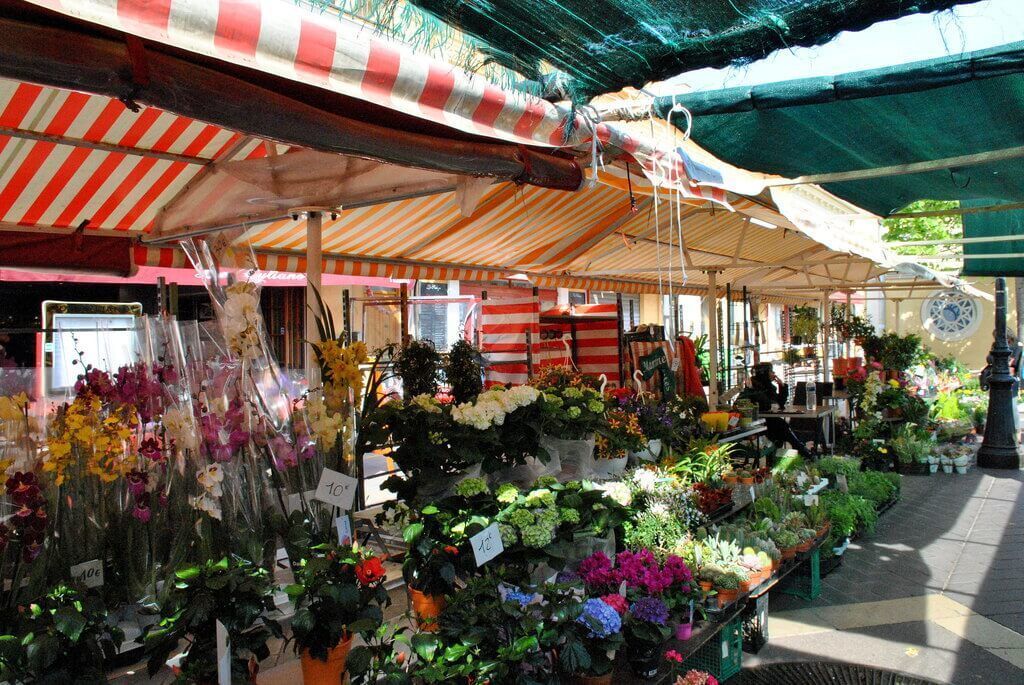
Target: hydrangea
(509, 535)
(573, 393)
(574, 485)
(541, 497)
(427, 403)
(600, 619)
(569, 516)
(546, 481)
(520, 518)
(650, 610)
(507, 493)
(549, 517)
(554, 400)
(471, 487)
(596, 406)
(573, 412)
(538, 536)
(618, 491)
(517, 595)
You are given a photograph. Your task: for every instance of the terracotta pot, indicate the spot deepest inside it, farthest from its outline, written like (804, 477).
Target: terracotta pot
(805, 546)
(747, 481)
(730, 479)
(427, 608)
(605, 679)
(705, 585)
(745, 585)
(317, 672)
(788, 553)
(726, 597)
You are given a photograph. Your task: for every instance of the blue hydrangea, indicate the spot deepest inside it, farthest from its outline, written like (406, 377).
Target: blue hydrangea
(600, 619)
(516, 595)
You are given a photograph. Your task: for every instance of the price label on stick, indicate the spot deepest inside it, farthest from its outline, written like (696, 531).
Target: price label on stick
(487, 544)
(841, 483)
(337, 489)
(223, 655)
(344, 526)
(88, 573)
(752, 495)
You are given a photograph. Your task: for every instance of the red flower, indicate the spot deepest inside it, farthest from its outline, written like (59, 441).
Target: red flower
(23, 488)
(673, 655)
(370, 570)
(617, 602)
(454, 551)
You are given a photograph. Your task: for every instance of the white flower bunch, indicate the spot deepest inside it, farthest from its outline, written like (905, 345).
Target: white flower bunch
(491, 407)
(618, 491)
(323, 425)
(180, 425)
(241, 320)
(872, 388)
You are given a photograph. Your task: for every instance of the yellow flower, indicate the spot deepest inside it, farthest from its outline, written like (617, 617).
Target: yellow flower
(894, 383)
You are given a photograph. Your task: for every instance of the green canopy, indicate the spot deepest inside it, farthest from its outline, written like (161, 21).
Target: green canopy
(991, 224)
(920, 112)
(605, 45)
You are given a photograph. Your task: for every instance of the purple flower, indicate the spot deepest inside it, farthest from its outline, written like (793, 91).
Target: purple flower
(142, 512)
(137, 482)
(516, 595)
(650, 610)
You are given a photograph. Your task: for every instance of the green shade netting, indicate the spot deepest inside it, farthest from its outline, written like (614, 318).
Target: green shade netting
(916, 112)
(605, 45)
(1010, 222)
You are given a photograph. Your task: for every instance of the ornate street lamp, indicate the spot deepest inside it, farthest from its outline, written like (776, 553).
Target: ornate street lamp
(1000, 449)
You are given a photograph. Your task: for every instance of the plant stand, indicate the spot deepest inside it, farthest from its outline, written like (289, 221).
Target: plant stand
(755, 625)
(721, 657)
(805, 583)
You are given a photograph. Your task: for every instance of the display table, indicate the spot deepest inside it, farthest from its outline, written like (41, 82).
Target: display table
(824, 417)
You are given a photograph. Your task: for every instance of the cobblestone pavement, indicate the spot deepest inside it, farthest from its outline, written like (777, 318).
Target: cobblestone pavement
(937, 591)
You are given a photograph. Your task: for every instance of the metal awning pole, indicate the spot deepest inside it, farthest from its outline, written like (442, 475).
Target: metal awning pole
(712, 340)
(314, 273)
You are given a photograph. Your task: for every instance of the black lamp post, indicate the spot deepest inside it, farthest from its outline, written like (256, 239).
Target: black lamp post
(999, 449)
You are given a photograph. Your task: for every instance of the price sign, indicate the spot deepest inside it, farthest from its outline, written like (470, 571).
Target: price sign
(810, 500)
(841, 483)
(223, 655)
(486, 544)
(344, 526)
(337, 489)
(88, 573)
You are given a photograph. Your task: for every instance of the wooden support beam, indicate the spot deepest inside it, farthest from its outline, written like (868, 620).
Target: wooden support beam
(105, 147)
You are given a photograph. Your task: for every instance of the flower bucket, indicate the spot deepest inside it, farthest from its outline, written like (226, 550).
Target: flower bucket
(427, 608)
(962, 460)
(575, 458)
(933, 468)
(962, 469)
(644, 658)
(315, 671)
(609, 469)
(684, 631)
(947, 468)
(650, 453)
(528, 473)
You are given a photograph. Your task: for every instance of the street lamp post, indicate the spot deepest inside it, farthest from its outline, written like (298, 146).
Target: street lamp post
(1000, 449)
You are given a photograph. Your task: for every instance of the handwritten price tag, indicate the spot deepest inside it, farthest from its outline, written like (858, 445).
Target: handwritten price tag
(88, 573)
(337, 489)
(486, 544)
(344, 526)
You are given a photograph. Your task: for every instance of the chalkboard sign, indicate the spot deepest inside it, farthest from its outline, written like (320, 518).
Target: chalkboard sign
(657, 362)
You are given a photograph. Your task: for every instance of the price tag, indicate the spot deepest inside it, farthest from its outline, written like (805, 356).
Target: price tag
(841, 483)
(622, 589)
(344, 526)
(697, 555)
(486, 544)
(88, 573)
(223, 655)
(810, 500)
(725, 649)
(752, 495)
(337, 489)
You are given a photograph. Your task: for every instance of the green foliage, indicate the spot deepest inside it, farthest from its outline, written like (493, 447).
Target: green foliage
(418, 365)
(463, 371)
(233, 591)
(805, 324)
(874, 486)
(63, 637)
(331, 601)
(834, 466)
(848, 513)
(911, 444)
(924, 228)
(660, 534)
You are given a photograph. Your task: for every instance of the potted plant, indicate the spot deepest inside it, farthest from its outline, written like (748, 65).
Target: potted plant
(591, 639)
(63, 637)
(571, 410)
(232, 591)
(463, 371)
(338, 592)
(791, 356)
(646, 630)
(727, 586)
(804, 326)
(787, 542)
(745, 477)
(418, 364)
(620, 435)
(947, 463)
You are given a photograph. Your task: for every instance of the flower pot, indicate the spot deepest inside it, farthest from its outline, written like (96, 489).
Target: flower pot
(730, 479)
(933, 468)
(605, 679)
(705, 585)
(684, 631)
(963, 460)
(962, 469)
(745, 585)
(427, 608)
(315, 671)
(644, 658)
(747, 481)
(726, 597)
(947, 468)
(650, 453)
(788, 553)
(805, 546)
(570, 459)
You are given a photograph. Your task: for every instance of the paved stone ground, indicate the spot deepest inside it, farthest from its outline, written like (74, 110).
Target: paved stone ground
(937, 591)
